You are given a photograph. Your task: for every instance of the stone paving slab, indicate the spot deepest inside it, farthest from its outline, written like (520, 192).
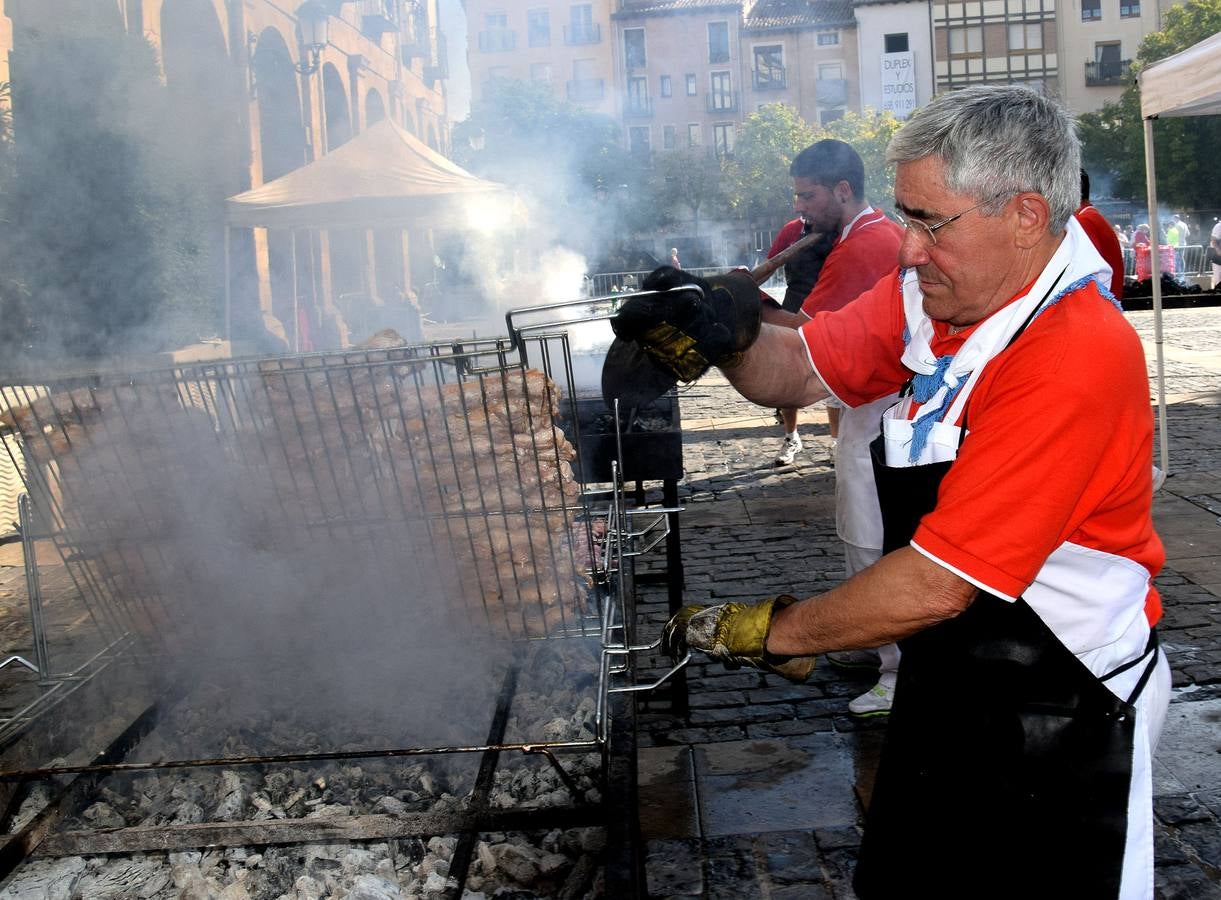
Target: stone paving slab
(748, 787)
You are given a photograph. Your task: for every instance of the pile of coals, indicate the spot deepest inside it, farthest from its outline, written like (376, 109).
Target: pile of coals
(556, 700)
(604, 423)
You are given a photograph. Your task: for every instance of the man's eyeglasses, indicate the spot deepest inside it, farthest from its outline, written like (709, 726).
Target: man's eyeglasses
(928, 233)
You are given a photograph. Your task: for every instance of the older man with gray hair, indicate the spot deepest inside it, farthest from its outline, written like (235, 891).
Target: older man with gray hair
(1015, 482)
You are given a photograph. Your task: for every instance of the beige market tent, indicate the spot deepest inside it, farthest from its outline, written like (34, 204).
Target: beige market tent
(383, 177)
(1186, 84)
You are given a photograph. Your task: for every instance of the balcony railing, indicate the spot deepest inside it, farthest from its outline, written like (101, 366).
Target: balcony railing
(638, 107)
(722, 101)
(585, 90)
(1109, 73)
(378, 16)
(436, 63)
(771, 80)
(831, 91)
(582, 34)
(497, 40)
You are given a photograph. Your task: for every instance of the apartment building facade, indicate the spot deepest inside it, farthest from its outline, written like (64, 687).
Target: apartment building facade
(566, 45)
(269, 90)
(996, 41)
(895, 41)
(677, 74)
(1100, 39)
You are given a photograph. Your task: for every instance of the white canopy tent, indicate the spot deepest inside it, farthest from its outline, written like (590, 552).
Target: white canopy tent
(382, 178)
(1186, 84)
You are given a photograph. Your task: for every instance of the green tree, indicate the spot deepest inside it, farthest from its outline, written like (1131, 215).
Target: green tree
(685, 181)
(869, 135)
(757, 179)
(1113, 138)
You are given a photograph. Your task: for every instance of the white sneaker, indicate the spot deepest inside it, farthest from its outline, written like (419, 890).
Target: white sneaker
(788, 450)
(874, 702)
(1159, 478)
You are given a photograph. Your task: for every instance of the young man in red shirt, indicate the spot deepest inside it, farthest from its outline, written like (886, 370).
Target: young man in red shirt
(829, 185)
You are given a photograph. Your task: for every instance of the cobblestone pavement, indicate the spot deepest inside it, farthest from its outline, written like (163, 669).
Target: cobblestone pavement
(756, 790)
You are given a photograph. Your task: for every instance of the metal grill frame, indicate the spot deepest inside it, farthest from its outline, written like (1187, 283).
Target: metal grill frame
(223, 391)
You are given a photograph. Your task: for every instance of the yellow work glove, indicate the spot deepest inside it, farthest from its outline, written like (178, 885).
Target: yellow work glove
(735, 634)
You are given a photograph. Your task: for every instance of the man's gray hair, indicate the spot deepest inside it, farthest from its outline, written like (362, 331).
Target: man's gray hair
(996, 141)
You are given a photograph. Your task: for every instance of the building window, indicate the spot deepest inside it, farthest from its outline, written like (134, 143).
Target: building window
(966, 39)
(690, 85)
(638, 140)
(1129, 9)
(896, 43)
(496, 36)
(718, 42)
(667, 137)
(581, 27)
(1026, 36)
(769, 67)
(1109, 67)
(585, 86)
(638, 96)
(722, 139)
(666, 87)
(1090, 10)
(694, 136)
(720, 97)
(828, 38)
(633, 48)
(540, 71)
(538, 27)
(827, 116)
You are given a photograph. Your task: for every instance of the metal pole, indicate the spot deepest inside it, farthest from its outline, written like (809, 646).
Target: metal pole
(228, 291)
(292, 240)
(1155, 273)
(33, 588)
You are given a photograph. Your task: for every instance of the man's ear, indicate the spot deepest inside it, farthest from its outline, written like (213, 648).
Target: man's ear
(843, 192)
(1032, 214)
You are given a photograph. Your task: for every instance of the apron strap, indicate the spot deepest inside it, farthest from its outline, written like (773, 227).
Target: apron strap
(1150, 648)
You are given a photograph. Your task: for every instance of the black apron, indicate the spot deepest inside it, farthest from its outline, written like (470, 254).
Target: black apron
(1006, 764)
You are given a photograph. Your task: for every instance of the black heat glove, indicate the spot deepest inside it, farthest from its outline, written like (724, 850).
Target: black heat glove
(687, 331)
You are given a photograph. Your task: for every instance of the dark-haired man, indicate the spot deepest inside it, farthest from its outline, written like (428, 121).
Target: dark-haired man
(829, 187)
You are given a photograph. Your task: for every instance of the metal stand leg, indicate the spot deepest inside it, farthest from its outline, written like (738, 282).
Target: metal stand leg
(33, 588)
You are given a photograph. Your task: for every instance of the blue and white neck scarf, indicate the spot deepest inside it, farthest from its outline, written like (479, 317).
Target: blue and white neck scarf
(938, 381)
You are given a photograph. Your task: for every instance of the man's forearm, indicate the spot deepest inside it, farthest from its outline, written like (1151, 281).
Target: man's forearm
(776, 370)
(774, 315)
(904, 592)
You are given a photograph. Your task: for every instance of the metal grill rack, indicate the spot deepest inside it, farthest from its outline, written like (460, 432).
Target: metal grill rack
(438, 466)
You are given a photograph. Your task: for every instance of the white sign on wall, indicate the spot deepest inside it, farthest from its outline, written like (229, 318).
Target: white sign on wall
(899, 83)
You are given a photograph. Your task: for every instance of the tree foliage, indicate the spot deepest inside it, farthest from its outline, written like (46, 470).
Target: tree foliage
(869, 134)
(758, 183)
(1185, 148)
(686, 181)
